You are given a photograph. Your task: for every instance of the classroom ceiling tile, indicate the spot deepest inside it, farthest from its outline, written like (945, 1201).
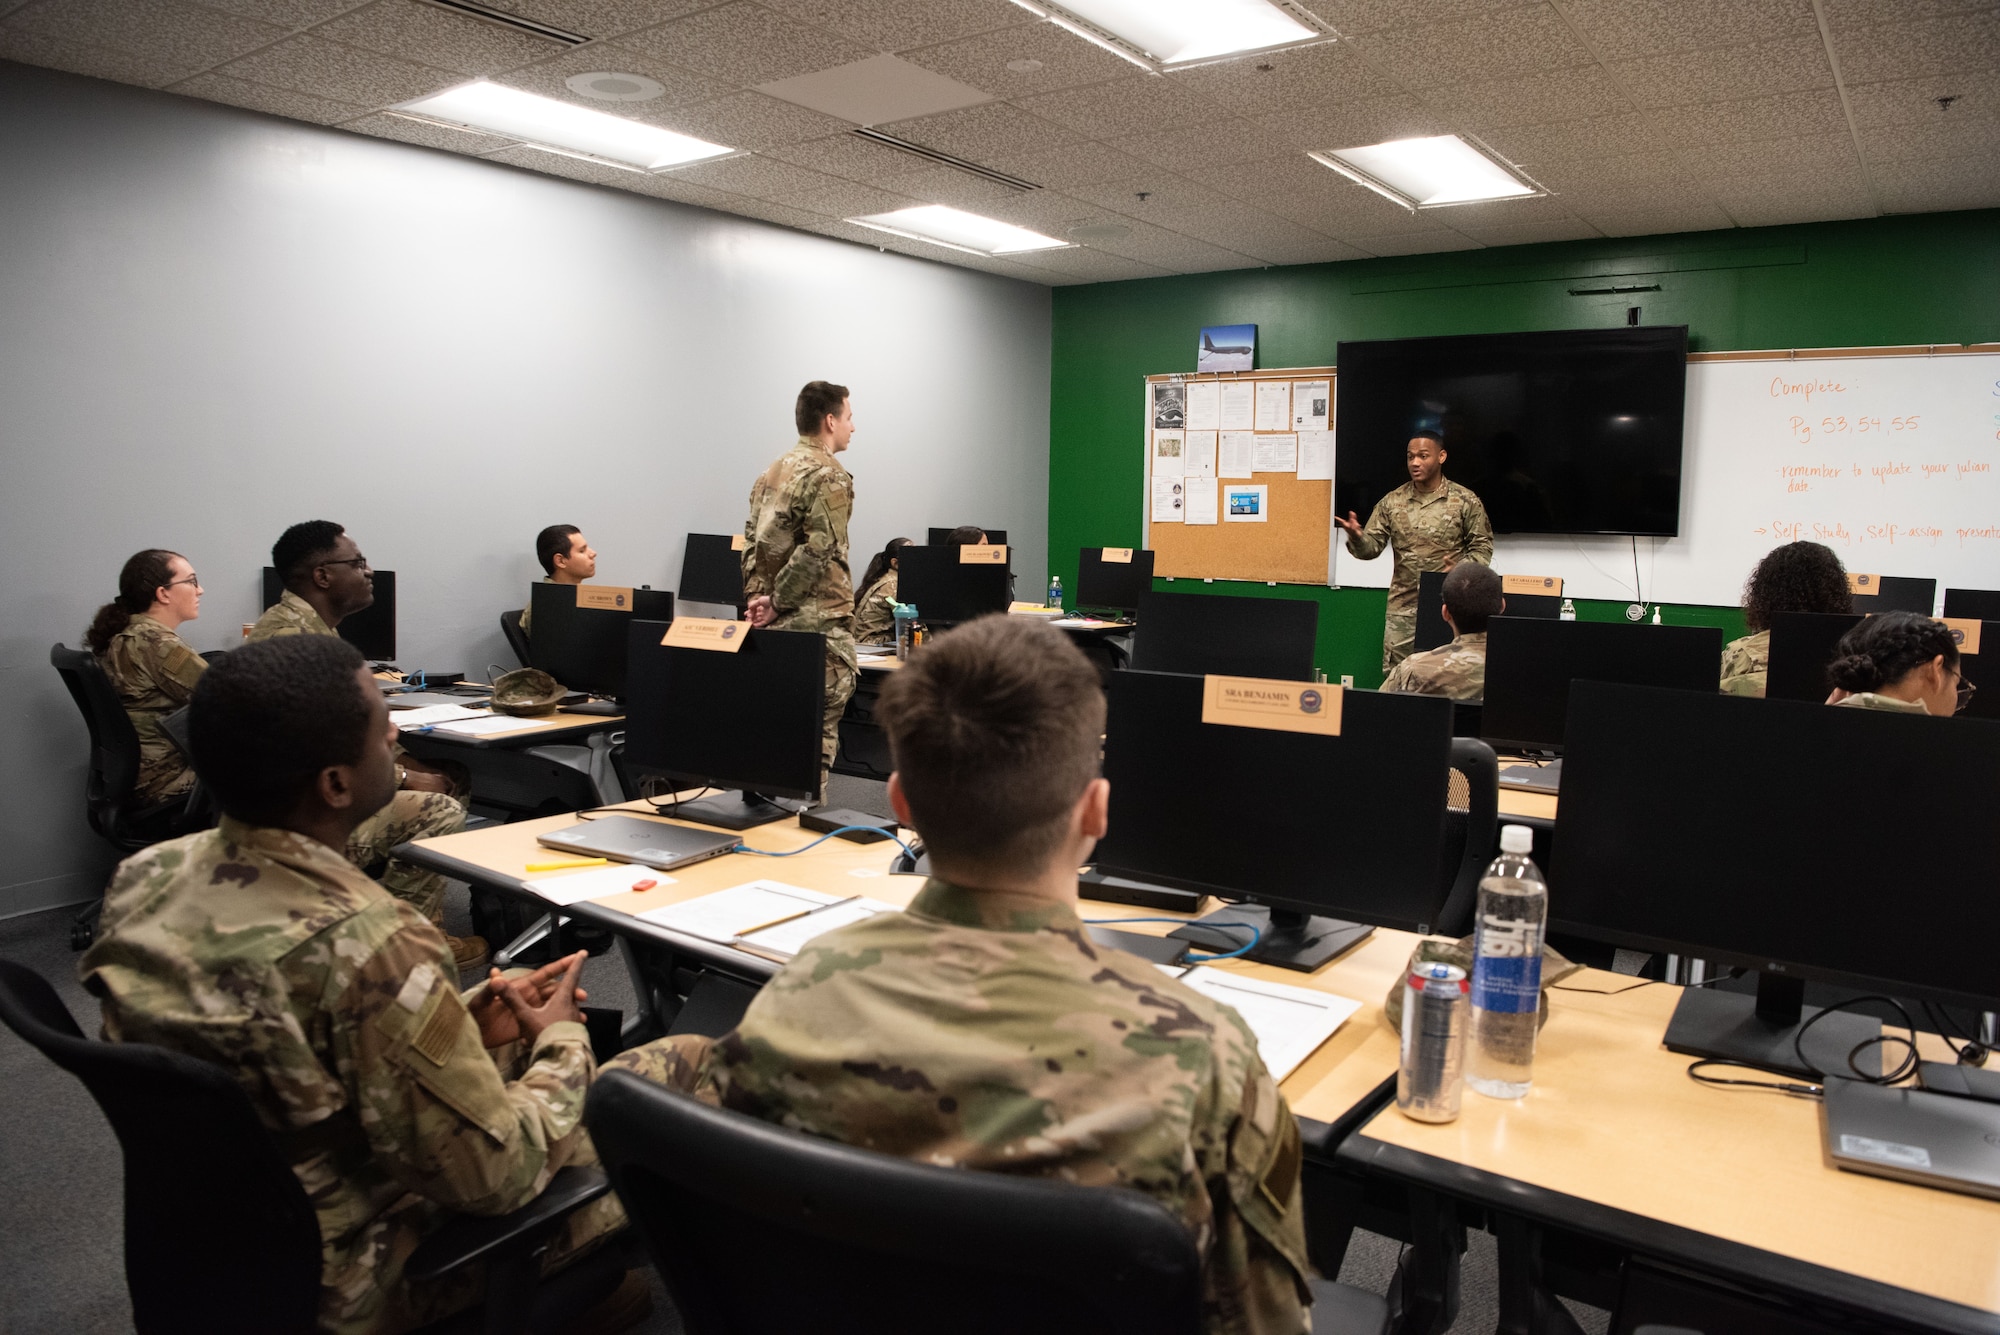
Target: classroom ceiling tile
(562, 164)
(1785, 116)
(97, 62)
(1273, 83)
(847, 154)
(1628, 29)
(1086, 264)
(1014, 62)
(1533, 146)
(986, 134)
(743, 43)
(755, 175)
(1125, 106)
(1432, 241)
(1359, 16)
(168, 32)
(1643, 171)
(1054, 214)
(1787, 65)
(845, 199)
(949, 185)
(899, 25)
(1352, 124)
(753, 121)
(343, 73)
(1501, 44)
(1845, 14)
(1830, 153)
(432, 36)
(276, 101)
(680, 87)
(1915, 101)
(593, 18)
(1292, 245)
(671, 187)
(1532, 233)
(1758, 200)
(405, 130)
(1945, 184)
(1202, 145)
(876, 91)
(1651, 222)
(1088, 163)
(1907, 143)
(1536, 99)
(766, 211)
(1950, 44)
(291, 14)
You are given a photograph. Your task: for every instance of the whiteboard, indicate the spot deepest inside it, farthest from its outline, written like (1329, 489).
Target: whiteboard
(1892, 461)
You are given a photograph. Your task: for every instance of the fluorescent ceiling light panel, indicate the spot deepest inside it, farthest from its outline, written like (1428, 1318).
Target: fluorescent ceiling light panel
(959, 230)
(561, 126)
(1174, 32)
(1426, 173)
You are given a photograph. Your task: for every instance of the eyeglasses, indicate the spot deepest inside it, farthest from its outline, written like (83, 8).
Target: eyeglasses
(192, 578)
(1966, 690)
(360, 561)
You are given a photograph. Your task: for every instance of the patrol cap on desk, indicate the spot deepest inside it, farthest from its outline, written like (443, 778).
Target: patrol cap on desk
(526, 691)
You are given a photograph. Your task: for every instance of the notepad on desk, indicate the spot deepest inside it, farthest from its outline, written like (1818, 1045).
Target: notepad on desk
(728, 915)
(432, 715)
(598, 883)
(485, 726)
(789, 938)
(1290, 1022)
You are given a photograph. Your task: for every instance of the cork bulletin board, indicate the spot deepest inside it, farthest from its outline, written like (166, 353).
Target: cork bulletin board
(1292, 545)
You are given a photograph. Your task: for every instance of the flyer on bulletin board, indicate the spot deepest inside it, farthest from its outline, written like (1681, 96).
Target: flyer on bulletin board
(1246, 504)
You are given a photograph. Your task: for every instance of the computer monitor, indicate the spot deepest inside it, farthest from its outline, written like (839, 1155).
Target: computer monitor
(1431, 628)
(1899, 593)
(1226, 635)
(1346, 826)
(1855, 847)
(945, 589)
(712, 569)
(1530, 664)
(748, 721)
(1973, 604)
(372, 630)
(1802, 645)
(995, 537)
(584, 647)
(1115, 586)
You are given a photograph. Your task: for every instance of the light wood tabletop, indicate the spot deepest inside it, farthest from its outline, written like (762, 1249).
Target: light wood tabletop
(1612, 1118)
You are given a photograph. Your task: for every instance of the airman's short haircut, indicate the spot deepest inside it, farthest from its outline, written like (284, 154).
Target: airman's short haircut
(819, 400)
(1472, 592)
(996, 728)
(268, 717)
(552, 542)
(303, 546)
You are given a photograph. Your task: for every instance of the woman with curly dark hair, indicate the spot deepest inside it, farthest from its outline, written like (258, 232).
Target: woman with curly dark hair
(1899, 661)
(1797, 577)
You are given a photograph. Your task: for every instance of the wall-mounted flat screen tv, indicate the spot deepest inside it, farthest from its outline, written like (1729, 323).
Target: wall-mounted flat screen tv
(1571, 431)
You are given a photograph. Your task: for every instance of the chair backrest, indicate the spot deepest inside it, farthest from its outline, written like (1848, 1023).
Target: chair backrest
(174, 727)
(219, 1235)
(758, 1229)
(517, 639)
(114, 742)
(1471, 825)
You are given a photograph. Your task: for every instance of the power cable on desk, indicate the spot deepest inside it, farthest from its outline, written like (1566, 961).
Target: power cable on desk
(1902, 1070)
(1256, 934)
(1729, 977)
(792, 853)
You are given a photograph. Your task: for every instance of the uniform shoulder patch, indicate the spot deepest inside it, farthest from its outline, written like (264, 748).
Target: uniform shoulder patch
(439, 1034)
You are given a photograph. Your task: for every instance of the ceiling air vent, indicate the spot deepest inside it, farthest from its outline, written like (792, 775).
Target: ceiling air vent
(947, 160)
(545, 31)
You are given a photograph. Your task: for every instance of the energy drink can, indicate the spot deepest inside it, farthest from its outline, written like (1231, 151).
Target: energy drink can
(1437, 1006)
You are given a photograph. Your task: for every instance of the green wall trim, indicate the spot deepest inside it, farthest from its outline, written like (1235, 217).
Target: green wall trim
(1923, 278)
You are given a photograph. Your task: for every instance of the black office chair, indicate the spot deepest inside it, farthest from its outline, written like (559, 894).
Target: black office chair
(1471, 829)
(219, 1235)
(759, 1230)
(517, 639)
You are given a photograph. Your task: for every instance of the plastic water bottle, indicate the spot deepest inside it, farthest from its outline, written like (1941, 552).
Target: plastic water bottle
(1507, 968)
(1568, 612)
(1055, 592)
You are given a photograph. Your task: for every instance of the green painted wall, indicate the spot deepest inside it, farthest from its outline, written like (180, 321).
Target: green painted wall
(1929, 278)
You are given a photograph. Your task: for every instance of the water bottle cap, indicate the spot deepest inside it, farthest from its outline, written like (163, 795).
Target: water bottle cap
(1516, 839)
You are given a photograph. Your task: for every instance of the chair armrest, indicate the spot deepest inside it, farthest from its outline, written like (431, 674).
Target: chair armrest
(470, 1238)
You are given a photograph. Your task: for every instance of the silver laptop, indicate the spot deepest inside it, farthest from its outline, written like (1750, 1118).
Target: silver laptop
(650, 843)
(1933, 1140)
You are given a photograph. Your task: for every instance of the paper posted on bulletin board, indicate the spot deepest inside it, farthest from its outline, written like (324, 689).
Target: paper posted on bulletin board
(1239, 475)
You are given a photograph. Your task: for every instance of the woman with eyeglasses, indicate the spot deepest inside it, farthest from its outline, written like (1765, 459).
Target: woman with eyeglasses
(150, 666)
(1899, 661)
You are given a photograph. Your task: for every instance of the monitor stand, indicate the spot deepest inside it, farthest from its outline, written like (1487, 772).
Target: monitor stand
(605, 708)
(1533, 778)
(733, 810)
(1759, 1031)
(1291, 940)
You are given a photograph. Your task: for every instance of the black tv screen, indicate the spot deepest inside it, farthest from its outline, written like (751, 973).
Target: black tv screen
(1571, 431)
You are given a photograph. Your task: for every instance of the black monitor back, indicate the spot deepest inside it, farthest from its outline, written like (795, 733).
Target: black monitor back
(1118, 585)
(712, 569)
(372, 630)
(1802, 644)
(940, 537)
(584, 647)
(1854, 846)
(748, 720)
(1431, 628)
(1348, 826)
(1899, 593)
(1226, 636)
(945, 589)
(1973, 604)
(1530, 664)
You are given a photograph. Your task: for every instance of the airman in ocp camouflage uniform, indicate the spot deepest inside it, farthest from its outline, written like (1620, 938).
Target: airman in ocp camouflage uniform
(795, 554)
(875, 614)
(1456, 671)
(1746, 663)
(335, 1006)
(154, 673)
(1036, 1052)
(1430, 523)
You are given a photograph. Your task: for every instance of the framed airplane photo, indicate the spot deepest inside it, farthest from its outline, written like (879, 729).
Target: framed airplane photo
(1228, 347)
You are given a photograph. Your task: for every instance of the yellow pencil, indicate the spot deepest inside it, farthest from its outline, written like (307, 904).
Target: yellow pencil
(567, 863)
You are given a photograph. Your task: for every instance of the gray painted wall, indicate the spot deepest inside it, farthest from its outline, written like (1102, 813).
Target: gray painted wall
(215, 323)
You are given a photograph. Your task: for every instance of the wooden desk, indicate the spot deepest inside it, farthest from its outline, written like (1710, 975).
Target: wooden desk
(561, 726)
(1615, 1141)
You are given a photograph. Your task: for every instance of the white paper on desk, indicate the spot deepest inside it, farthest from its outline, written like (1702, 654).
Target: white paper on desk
(1204, 406)
(1238, 412)
(1169, 500)
(789, 938)
(489, 727)
(597, 883)
(1274, 405)
(1200, 456)
(1277, 454)
(1290, 1022)
(433, 714)
(728, 914)
(1315, 456)
(1238, 451)
(1310, 401)
(1201, 503)
(1168, 457)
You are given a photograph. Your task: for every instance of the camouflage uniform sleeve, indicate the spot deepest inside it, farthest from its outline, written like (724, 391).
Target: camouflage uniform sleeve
(1478, 533)
(177, 668)
(679, 1061)
(873, 616)
(1373, 538)
(1398, 681)
(1257, 1272)
(436, 1111)
(805, 569)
